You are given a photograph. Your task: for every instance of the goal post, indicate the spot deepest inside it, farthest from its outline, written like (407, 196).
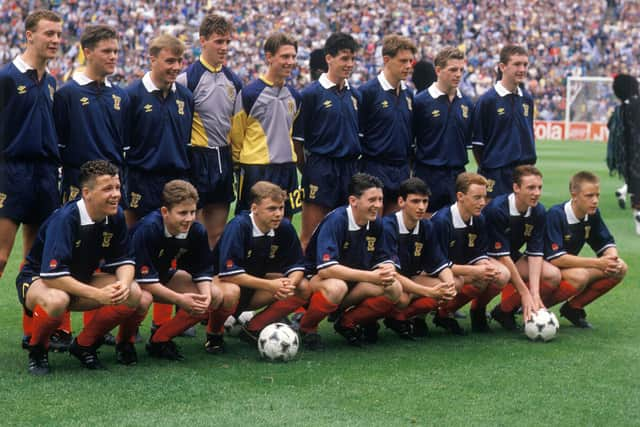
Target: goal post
(589, 100)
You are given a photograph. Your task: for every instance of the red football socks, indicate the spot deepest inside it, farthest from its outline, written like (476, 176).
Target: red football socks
(593, 291)
(215, 325)
(162, 313)
(482, 300)
(420, 306)
(180, 323)
(367, 311)
(105, 319)
(43, 326)
(319, 308)
(466, 294)
(276, 311)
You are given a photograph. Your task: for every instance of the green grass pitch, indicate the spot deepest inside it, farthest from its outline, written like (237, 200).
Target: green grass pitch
(582, 378)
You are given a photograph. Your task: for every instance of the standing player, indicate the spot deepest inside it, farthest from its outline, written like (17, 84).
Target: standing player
(462, 230)
(514, 220)
(29, 155)
(569, 226)
(89, 111)
(328, 130)
(161, 237)
(59, 273)
(442, 125)
(350, 268)
(503, 124)
(385, 119)
(262, 125)
(260, 264)
(425, 273)
(159, 129)
(214, 87)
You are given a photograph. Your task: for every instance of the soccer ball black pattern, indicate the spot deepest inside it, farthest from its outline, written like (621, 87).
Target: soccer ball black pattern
(278, 342)
(543, 326)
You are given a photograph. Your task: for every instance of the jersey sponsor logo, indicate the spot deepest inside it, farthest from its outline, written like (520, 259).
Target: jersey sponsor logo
(465, 111)
(498, 245)
(554, 247)
(53, 264)
(354, 101)
(106, 239)
(272, 251)
(3, 197)
(587, 231)
(500, 111)
(51, 91)
(229, 263)
(490, 184)
(472, 240)
(144, 270)
(22, 89)
(371, 243)
(384, 104)
(326, 257)
(148, 108)
(327, 103)
(180, 105)
(135, 200)
(417, 249)
(525, 110)
(84, 101)
(435, 113)
(409, 103)
(313, 190)
(116, 102)
(528, 230)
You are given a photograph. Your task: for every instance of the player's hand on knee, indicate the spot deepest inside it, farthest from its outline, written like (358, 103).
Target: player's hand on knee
(121, 294)
(285, 288)
(443, 291)
(194, 303)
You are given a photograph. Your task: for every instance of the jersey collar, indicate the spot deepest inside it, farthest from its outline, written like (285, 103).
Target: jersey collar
(353, 225)
(571, 216)
(513, 211)
(328, 84)
(502, 91)
(82, 79)
(179, 236)
(387, 86)
(256, 232)
(22, 66)
(150, 86)
(85, 219)
(209, 66)
(436, 93)
(402, 228)
(457, 218)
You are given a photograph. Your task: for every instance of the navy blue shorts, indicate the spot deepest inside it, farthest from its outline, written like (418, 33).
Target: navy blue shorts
(391, 175)
(500, 180)
(442, 182)
(23, 281)
(144, 190)
(285, 175)
(325, 180)
(70, 186)
(212, 174)
(28, 190)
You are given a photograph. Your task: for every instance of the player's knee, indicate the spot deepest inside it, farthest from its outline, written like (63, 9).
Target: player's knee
(551, 275)
(216, 296)
(623, 269)
(578, 277)
(394, 291)
(146, 299)
(403, 301)
(135, 295)
(303, 290)
(335, 289)
(55, 302)
(230, 294)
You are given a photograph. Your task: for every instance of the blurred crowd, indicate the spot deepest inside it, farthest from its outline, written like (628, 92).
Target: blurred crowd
(564, 37)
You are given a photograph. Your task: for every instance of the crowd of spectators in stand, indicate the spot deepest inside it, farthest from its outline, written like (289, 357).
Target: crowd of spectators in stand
(564, 37)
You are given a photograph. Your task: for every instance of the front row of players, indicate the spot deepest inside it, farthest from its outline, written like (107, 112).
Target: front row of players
(359, 268)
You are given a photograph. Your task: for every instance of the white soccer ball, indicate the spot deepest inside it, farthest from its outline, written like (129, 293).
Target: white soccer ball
(278, 342)
(543, 326)
(233, 326)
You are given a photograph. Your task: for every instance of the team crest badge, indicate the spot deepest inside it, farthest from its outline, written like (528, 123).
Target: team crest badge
(272, 251)
(587, 231)
(472, 240)
(525, 110)
(22, 89)
(313, 190)
(465, 111)
(528, 229)
(371, 243)
(106, 239)
(291, 105)
(3, 197)
(116, 102)
(73, 192)
(418, 249)
(231, 92)
(135, 200)
(490, 184)
(355, 103)
(53, 264)
(180, 105)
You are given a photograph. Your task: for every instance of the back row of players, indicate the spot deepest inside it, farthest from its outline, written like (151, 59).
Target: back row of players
(205, 124)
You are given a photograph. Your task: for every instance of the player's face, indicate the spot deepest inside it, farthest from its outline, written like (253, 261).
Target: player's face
(586, 200)
(472, 203)
(102, 58)
(165, 67)
(514, 72)
(415, 206)
(450, 75)
(341, 65)
(366, 207)
(268, 214)
(399, 66)
(45, 39)
(216, 48)
(103, 197)
(179, 218)
(529, 191)
(282, 62)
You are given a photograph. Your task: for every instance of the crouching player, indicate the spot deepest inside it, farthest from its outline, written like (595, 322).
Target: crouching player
(260, 265)
(462, 232)
(60, 273)
(569, 226)
(174, 263)
(425, 275)
(350, 268)
(513, 220)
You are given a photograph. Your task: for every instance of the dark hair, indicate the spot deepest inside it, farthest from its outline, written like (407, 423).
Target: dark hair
(214, 24)
(413, 186)
(424, 74)
(94, 34)
(92, 169)
(338, 42)
(267, 190)
(510, 50)
(575, 184)
(32, 20)
(276, 40)
(361, 182)
(525, 170)
(625, 86)
(317, 63)
(177, 191)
